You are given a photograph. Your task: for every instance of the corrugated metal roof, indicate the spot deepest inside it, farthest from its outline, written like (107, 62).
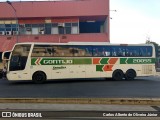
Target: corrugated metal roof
(55, 9)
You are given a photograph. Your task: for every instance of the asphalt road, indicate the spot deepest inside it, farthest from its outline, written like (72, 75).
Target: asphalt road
(146, 87)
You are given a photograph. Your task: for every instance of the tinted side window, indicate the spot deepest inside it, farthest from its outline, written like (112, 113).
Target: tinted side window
(132, 51)
(52, 50)
(82, 51)
(98, 51)
(63, 51)
(19, 57)
(138, 51)
(146, 51)
(106, 51)
(118, 51)
(42, 50)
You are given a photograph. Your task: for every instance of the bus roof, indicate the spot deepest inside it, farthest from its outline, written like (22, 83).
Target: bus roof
(85, 43)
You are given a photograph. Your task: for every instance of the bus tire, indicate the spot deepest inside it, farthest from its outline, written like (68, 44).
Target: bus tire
(118, 75)
(39, 77)
(130, 74)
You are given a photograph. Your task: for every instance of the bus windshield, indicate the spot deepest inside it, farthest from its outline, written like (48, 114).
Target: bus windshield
(19, 57)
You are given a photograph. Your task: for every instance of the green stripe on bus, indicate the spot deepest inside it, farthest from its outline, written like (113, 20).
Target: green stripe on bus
(104, 61)
(76, 61)
(137, 60)
(99, 68)
(60, 61)
(82, 61)
(33, 60)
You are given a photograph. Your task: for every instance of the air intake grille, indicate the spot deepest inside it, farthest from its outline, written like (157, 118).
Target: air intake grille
(147, 69)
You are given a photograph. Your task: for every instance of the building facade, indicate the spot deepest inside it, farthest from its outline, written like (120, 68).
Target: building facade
(53, 21)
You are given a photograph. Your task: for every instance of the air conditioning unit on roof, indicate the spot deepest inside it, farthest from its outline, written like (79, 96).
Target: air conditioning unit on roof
(22, 25)
(28, 29)
(8, 33)
(2, 33)
(41, 32)
(61, 24)
(15, 32)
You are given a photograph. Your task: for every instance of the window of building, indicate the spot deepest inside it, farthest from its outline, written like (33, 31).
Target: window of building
(41, 28)
(14, 29)
(2, 29)
(74, 28)
(28, 29)
(2, 26)
(67, 28)
(36, 29)
(61, 30)
(91, 26)
(55, 28)
(64, 28)
(48, 27)
(22, 29)
(8, 29)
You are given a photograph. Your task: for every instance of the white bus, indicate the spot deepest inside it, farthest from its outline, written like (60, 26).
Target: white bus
(43, 61)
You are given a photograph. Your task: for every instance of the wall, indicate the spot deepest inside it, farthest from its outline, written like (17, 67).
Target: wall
(7, 42)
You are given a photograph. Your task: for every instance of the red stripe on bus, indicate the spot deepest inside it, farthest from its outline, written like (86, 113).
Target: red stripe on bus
(96, 60)
(107, 68)
(112, 60)
(38, 61)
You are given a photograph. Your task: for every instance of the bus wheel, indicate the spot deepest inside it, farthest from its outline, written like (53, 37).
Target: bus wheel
(118, 75)
(39, 77)
(130, 74)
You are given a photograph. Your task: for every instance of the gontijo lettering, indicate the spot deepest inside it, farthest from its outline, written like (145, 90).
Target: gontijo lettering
(46, 62)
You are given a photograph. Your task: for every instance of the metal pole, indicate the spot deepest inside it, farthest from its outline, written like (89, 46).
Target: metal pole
(16, 18)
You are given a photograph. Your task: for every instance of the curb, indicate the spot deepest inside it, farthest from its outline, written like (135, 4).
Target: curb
(108, 101)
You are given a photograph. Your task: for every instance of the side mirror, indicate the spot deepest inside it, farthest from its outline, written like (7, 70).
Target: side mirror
(6, 55)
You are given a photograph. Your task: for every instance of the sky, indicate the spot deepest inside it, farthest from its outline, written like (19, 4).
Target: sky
(134, 22)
